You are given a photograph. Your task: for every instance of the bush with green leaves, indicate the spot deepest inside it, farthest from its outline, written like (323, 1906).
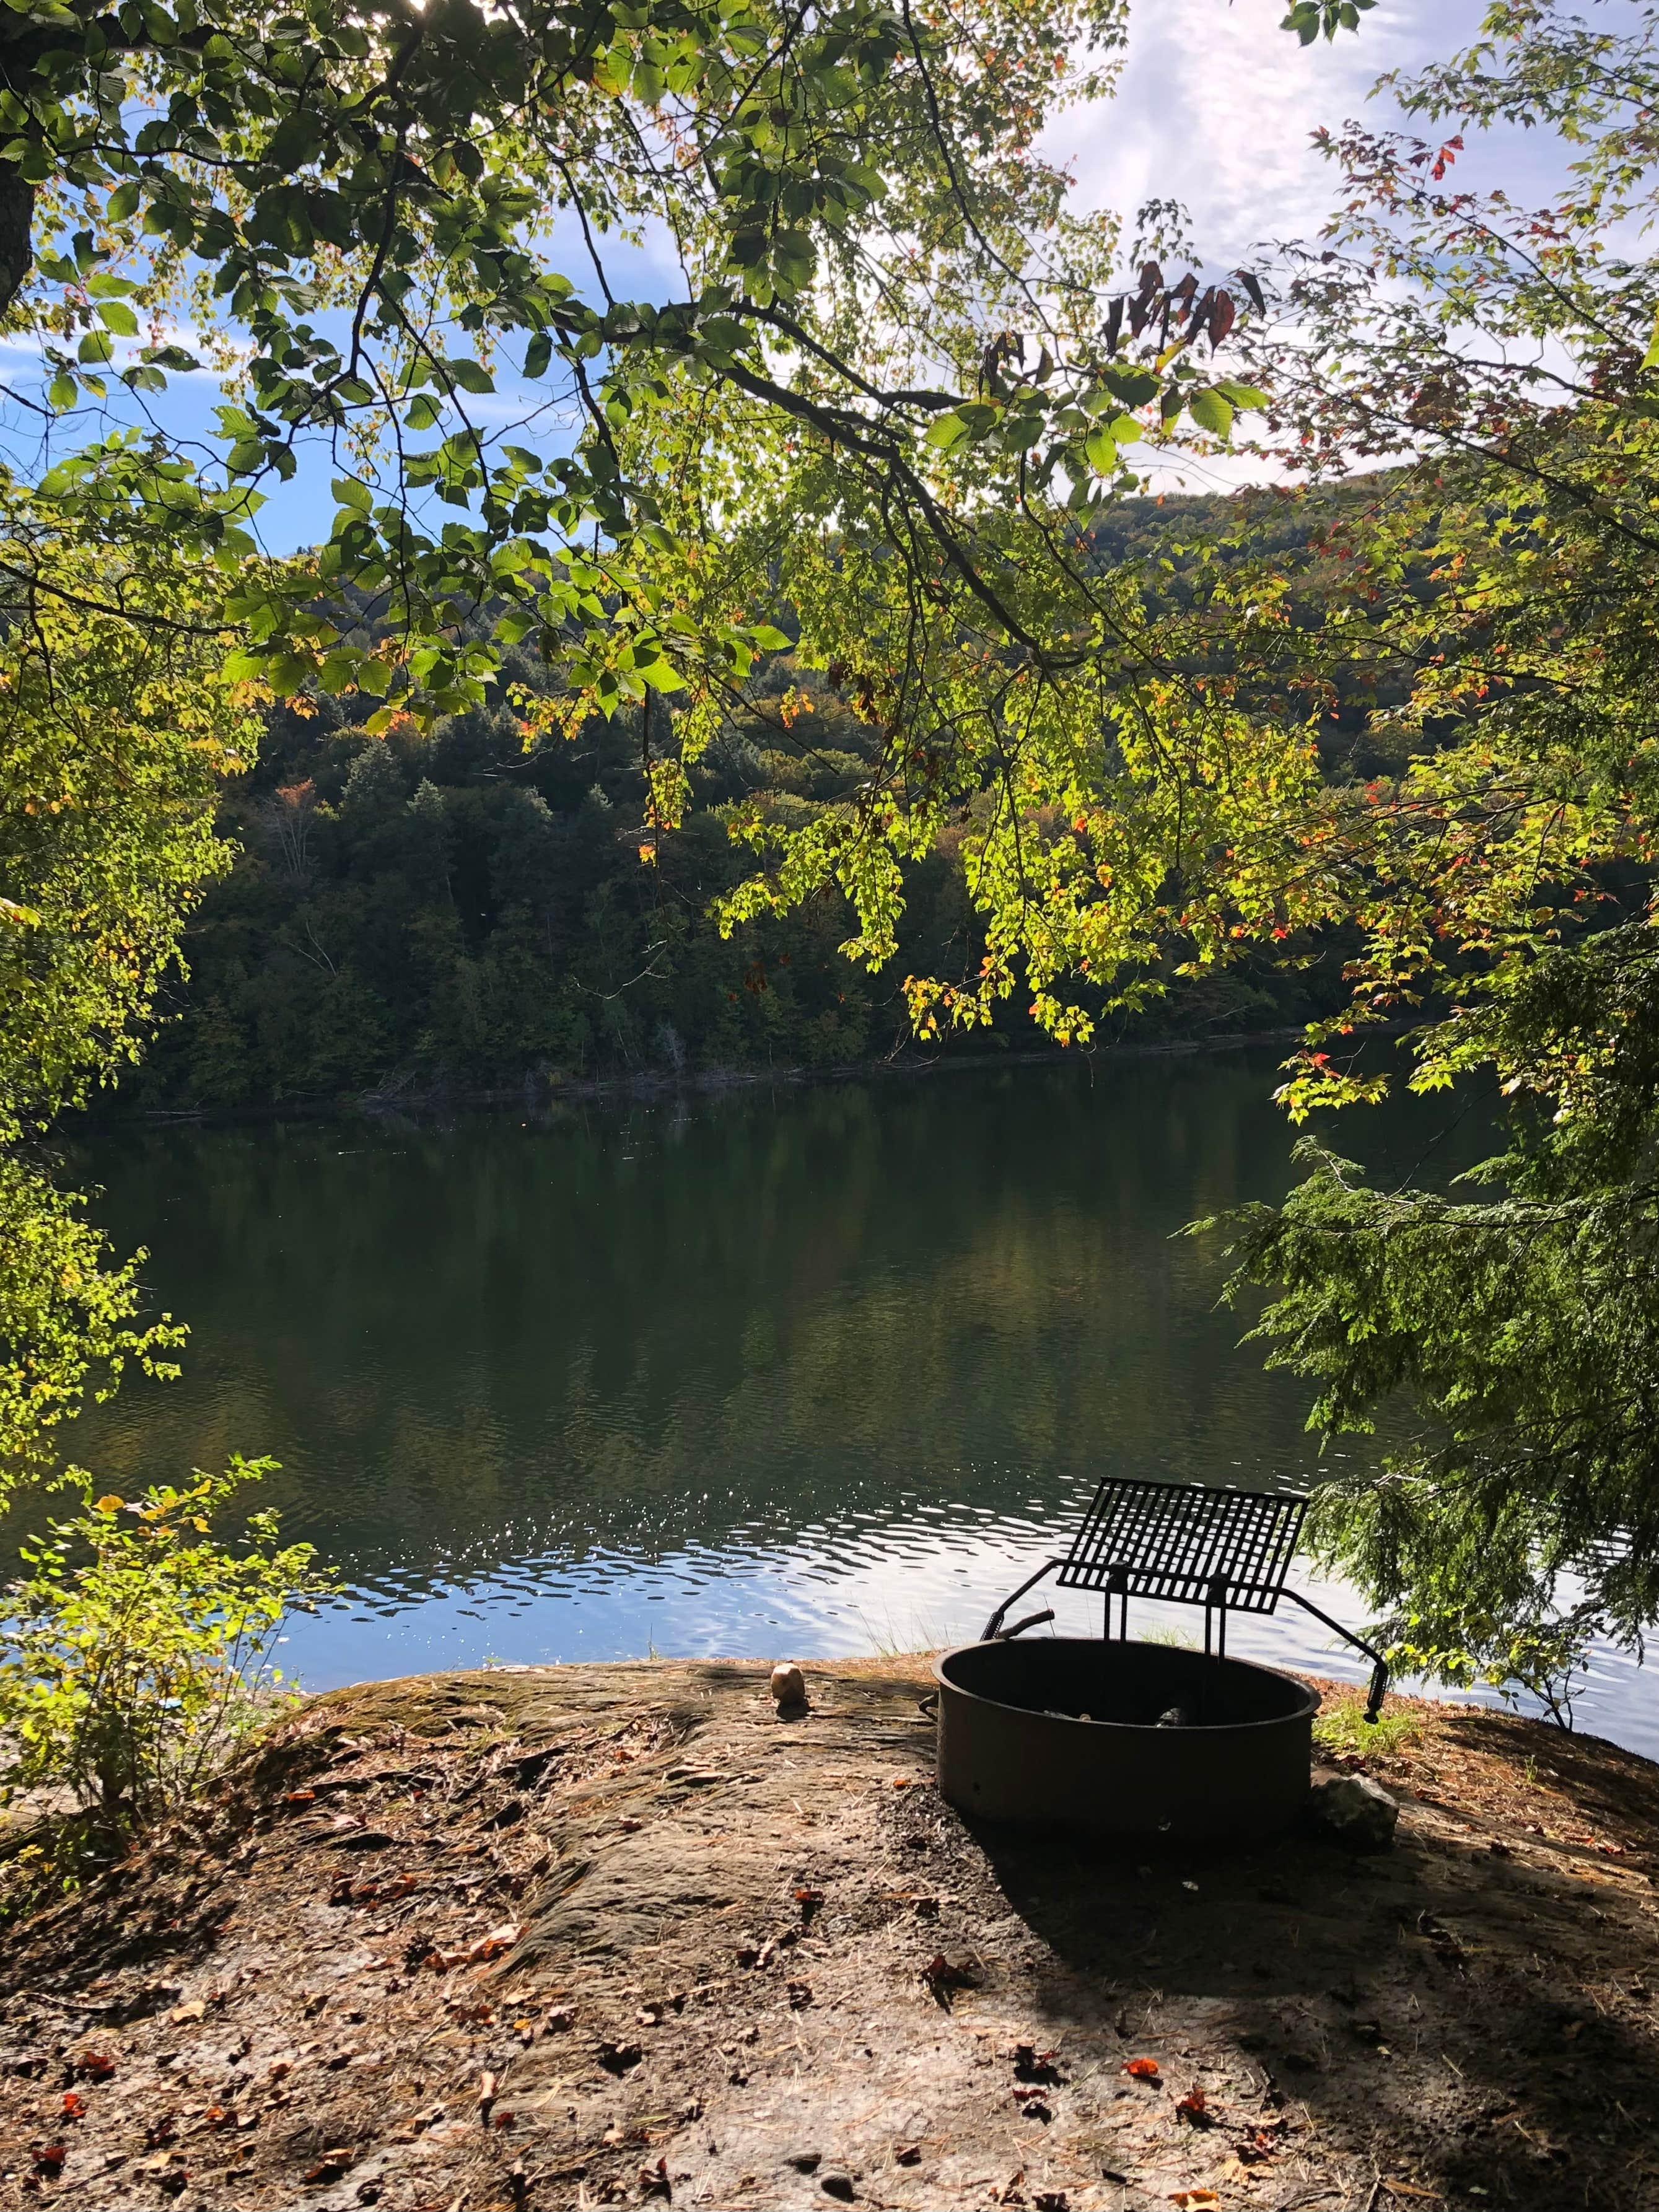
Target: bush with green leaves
(136, 1649)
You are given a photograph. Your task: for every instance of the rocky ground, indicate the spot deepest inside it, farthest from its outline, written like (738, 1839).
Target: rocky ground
(619, 1935)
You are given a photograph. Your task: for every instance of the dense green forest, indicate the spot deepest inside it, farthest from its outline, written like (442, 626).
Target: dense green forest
(415, 911)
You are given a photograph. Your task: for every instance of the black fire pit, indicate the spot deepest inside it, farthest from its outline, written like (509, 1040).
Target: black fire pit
(1143, 1740)
(1122, 1739)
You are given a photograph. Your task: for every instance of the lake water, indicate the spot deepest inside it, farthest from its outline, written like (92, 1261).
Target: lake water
(802, 1372)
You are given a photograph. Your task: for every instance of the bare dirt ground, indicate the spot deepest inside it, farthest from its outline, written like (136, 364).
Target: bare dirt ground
(618, 1934)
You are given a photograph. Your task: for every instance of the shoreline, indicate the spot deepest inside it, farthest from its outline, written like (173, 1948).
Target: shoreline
(540, 1095)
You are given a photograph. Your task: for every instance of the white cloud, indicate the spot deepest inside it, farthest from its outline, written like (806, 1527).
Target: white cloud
(1217, 106)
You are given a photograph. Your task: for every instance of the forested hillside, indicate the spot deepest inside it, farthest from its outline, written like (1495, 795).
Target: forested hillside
(453, 910)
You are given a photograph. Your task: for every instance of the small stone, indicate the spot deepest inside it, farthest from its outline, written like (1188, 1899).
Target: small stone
(788, 1685)
(1355, 1812)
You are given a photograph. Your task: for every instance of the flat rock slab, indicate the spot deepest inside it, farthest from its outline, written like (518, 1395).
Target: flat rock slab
(624, 1935)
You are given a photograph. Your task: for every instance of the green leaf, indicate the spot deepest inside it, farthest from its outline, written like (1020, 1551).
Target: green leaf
(948, 432)
(339, 671)
(61, 392)
(116, 315)
(1133, 387)
(1651, 358)
(536, 355)
(1101, 448)
(471, 376)
(123, 201)
(1241, 395)
(423, 412)
(1211, 412)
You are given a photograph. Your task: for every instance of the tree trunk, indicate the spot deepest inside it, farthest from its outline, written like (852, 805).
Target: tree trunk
(16, 233)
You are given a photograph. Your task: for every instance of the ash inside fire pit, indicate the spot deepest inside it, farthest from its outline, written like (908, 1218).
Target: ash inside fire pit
(1122, 1739)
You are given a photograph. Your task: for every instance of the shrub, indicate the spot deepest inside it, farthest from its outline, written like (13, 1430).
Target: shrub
(136, 1651)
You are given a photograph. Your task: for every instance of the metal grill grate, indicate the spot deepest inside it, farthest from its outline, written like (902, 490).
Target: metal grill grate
(1188, 1542)
(1226, 1550)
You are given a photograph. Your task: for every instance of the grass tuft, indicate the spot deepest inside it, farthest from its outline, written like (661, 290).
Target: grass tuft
(1341, 1725)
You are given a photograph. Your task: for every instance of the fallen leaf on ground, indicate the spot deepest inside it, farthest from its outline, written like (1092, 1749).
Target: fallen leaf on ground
(910, 2155)
(944, 1979)
(1193, 2108)
(95, 2065)
(497, 1941)
(1031, 2064)
(1193, 2200)
(75, 2105)
(1141, 2069)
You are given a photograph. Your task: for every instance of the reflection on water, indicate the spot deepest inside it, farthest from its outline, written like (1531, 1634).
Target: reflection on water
(754, 1373)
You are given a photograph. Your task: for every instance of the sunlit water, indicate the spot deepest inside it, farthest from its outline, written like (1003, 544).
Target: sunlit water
(805, 1372)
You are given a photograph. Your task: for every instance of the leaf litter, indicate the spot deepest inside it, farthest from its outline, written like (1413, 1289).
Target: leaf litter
(534, 1999)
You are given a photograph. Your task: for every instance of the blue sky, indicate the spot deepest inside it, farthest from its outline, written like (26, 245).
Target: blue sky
(1215, 108)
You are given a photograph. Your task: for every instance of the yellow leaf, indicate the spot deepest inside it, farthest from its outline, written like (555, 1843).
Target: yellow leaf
(111, 1505)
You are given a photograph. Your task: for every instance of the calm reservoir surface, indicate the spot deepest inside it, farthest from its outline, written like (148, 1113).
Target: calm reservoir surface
(803, 1372)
